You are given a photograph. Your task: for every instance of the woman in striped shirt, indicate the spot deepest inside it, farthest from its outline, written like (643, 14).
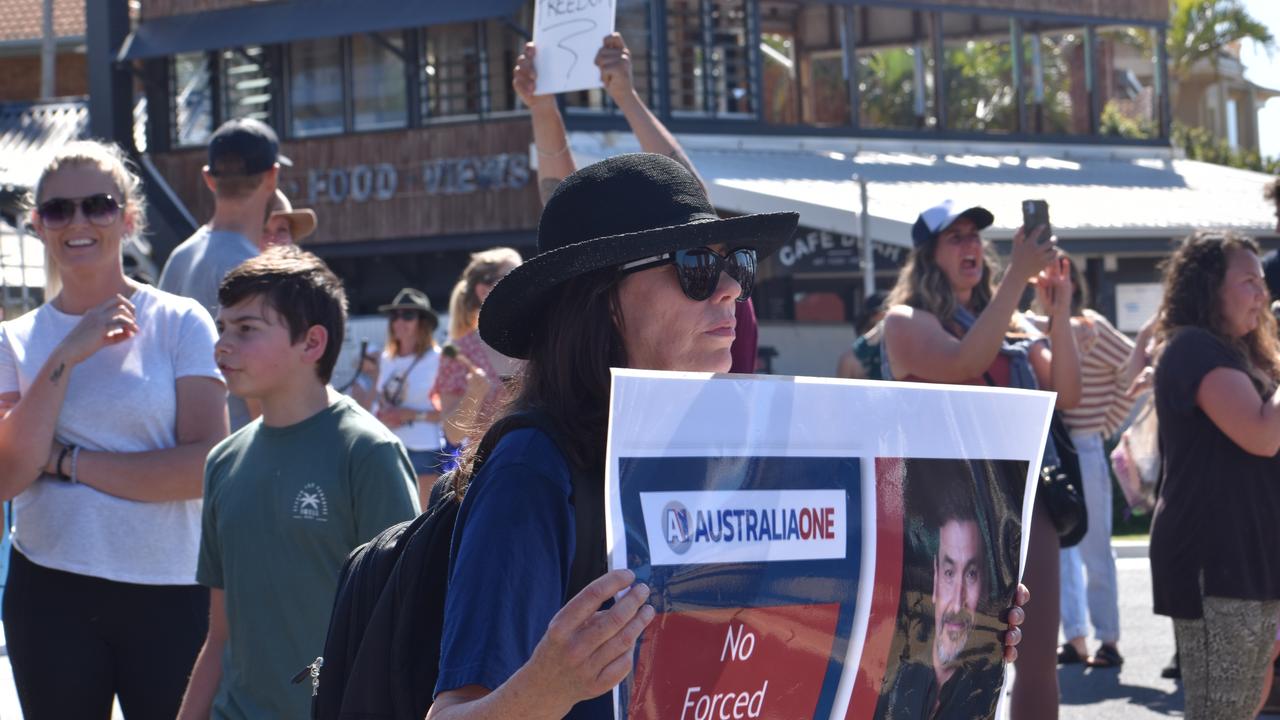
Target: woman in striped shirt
(1109, 361)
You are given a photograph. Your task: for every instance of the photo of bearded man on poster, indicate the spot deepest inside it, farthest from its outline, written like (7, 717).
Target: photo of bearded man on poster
(948, 666)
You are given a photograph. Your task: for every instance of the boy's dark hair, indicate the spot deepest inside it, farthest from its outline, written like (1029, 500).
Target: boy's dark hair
(1271, 191)
(300, 288)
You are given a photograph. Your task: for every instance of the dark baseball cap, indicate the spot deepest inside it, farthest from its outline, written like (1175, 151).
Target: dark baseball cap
(933, 221)
(1271, 273)
(244, 146)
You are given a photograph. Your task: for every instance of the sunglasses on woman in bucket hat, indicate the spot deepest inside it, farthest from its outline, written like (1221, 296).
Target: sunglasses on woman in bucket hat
(636, 210)
(699, 270)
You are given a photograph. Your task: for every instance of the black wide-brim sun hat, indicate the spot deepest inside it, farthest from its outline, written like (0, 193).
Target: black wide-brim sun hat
(625, 208)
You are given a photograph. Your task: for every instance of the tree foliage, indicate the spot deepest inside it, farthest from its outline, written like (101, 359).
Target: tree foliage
(1203, 29)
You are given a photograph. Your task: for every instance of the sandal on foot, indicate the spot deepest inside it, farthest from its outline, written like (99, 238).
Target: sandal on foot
(1068, 655)
(1106, 657)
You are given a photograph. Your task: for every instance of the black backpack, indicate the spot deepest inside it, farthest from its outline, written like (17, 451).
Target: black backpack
(382, 651)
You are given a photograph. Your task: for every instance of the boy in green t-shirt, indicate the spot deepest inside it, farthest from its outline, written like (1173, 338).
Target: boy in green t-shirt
(288, 496)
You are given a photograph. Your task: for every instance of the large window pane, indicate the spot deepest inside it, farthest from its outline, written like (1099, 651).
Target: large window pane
(1059, 96)
(803, 78)
(192, 99)
(1127, 79)
(633, 24)
(685, 60)
(451, 71)
(316, 97)
(977, 71)
(378, 89)
(246, 84)
(895, 69)
(730, 60)
(709, 58)
(503, 46)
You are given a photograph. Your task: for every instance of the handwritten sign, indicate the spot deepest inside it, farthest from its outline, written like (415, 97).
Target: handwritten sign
(568, 34)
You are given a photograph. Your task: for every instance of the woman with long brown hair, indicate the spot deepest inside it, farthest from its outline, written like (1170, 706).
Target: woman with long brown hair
(950, 322)
(637, 271)
(1214, 534)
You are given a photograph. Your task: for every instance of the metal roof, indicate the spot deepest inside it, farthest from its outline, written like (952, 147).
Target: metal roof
(30, 133)
(292, 20)
(1095, 193)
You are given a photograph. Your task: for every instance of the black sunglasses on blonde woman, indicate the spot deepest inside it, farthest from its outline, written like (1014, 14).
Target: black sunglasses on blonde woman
(57, 213)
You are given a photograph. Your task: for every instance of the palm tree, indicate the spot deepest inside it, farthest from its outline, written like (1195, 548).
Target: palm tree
(1203, 29)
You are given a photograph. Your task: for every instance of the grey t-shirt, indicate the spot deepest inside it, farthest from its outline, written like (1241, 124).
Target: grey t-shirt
(122, 399)
(196, 268)
(283, 508)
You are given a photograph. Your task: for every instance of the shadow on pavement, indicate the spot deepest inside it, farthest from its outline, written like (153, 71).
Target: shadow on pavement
(1085, 686)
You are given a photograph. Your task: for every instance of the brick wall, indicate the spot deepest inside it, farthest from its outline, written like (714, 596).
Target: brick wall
(20, 76)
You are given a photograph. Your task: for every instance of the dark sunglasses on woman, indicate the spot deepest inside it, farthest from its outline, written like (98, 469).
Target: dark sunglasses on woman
(405, 314)
(57, 213)
(699, 270)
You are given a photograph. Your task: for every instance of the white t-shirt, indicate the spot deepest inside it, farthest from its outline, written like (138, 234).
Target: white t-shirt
(121, 399)
(415, 395)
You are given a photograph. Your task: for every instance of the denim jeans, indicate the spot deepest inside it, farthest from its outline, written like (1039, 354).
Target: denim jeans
(1089, 569)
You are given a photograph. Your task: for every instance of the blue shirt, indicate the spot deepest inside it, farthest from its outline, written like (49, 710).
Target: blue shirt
(509, 566)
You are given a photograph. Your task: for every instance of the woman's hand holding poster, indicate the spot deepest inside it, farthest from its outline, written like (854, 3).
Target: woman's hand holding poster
(819, 548)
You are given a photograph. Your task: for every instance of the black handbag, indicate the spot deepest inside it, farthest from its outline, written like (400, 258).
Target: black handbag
(1062, 487)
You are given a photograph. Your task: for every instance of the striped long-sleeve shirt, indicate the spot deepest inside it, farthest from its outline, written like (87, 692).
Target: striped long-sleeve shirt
(1104, 354)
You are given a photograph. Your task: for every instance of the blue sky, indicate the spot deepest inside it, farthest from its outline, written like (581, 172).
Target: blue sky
(1266, 72)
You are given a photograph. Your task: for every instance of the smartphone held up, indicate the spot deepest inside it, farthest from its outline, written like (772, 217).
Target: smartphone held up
(1035, 213)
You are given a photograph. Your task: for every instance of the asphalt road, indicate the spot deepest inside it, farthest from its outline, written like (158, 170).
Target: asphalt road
(1134, 692)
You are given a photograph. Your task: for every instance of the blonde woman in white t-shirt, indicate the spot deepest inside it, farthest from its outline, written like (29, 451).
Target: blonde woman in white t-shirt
(109, 402)
(402, 398)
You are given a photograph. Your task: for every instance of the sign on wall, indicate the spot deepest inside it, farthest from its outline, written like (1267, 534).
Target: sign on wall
(819, 548)
(1136, 303)
(812, 251)
(383, 181)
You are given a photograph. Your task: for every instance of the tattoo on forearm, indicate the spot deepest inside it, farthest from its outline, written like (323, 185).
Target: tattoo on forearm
(547, 186)
(57, 373)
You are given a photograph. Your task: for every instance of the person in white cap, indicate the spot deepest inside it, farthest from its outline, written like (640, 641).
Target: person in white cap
(949, 322)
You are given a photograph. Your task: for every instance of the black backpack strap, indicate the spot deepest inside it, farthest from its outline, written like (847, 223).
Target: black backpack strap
(589, 561)
(587, 497)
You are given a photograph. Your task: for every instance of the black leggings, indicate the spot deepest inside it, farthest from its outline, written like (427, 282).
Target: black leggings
(75, 641)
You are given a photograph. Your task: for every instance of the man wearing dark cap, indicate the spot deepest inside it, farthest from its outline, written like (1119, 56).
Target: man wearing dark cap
(244, 161)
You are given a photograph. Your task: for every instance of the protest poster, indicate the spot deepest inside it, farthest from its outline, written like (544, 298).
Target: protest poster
(815, 545)
(568, 34)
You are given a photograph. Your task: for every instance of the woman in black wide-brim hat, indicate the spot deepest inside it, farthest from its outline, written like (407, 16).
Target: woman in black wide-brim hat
(635, 270)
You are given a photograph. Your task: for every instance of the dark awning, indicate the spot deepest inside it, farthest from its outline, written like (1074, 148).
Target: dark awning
(288, 20)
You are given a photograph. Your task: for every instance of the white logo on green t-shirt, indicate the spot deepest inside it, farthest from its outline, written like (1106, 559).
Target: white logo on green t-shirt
(311, 504)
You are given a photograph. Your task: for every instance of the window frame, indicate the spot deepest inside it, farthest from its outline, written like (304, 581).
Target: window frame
(708, 119)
